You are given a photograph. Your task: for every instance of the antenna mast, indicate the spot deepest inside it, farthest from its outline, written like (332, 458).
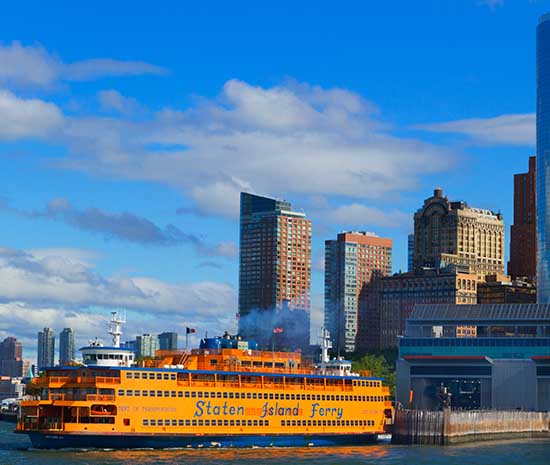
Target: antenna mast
(115, 327)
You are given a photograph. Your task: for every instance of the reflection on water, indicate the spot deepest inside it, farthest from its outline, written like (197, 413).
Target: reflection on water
(15, 450)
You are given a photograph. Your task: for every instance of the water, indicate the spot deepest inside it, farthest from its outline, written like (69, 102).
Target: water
(15, 450)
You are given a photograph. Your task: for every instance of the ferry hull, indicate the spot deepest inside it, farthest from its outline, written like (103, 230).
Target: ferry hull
(118, 441)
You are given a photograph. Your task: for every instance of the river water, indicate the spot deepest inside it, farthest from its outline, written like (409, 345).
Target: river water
(15, 450)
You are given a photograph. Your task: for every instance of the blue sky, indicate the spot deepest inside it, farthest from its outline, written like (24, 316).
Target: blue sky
(130, 129)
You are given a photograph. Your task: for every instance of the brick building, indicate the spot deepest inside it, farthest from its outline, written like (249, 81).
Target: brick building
(354, 262)
(523, 233)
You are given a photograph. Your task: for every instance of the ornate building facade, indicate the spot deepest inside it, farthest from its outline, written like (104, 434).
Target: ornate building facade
(452, 233)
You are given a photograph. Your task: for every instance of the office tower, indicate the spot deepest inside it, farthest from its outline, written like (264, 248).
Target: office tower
(46, 348)
(543, 159)
(147, 345)
(401, 292)
(410, 252)
(168, 341)
(353, 262)
(274, 272)
(11, 360)
(523, 233)
(452, 233)
(66, 346)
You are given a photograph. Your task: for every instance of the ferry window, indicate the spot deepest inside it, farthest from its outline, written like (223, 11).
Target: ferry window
(153, 422)
(137, 392)
(254, 396)
(194, 422)
(159, 393)
(126, 422)
(323, 397)
(309, 422)
(187, 422)
(287, 396)
(172, 376)
(180, 422)
(292, 397)
(128, 392)
(160, 422)
(276, 396)
(166, 393)
(193, 394)
(255, 422)
(249, 395)
(180, 393)
(231, 422)
(206, 394)
(145, 422)
(152, 393)
(201, 423)
(121, 392)
(173, 393)
(271, 396)
(129, 375)
(213, 362)
(324, 422)
(220, 422)
(144, 393)
(159, 375)
(187, 394)
(151, 376)
(219, 395)
(249, 422)
(260, 396)
(266, 422)
(225, 422)
(174, 422)
(225, 395)
(166, 376)
(332, 398)
(231, 395)
(314, 422)
(318, 396)
(206, 422)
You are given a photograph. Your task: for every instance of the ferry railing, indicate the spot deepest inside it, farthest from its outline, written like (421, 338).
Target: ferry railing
(100, 398)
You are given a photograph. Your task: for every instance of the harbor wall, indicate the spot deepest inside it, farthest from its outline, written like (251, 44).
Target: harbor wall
(448, 427)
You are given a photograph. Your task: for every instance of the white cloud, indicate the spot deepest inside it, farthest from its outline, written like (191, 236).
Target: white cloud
(513, 129)
(34, 66)
(364, 216)
(22, 118)
(58, 288)
(114, 100)
(292, 140)
(59, 281)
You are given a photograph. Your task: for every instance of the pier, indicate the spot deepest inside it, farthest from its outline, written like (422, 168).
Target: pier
(452, 427)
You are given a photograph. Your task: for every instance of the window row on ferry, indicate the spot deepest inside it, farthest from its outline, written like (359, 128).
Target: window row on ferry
(248, 395)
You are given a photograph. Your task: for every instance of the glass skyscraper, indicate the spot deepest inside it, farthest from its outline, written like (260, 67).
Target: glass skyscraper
(543, 159)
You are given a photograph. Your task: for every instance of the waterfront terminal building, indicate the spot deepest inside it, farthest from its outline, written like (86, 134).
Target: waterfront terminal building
(486, 356)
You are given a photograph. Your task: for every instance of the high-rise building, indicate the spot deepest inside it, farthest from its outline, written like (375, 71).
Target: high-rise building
(523, 233)
(66, 346)
(46, 348)
(401, 292)
(147, 345)
(353, 262)
(410, 252)
(543, 159)
(11, 360)
(452, 233)
(168, 341)
(274, 272)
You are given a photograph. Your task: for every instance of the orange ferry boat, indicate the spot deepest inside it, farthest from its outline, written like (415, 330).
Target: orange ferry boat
(223, 394)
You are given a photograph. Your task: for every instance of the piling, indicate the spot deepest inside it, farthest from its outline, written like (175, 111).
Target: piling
(451, 427)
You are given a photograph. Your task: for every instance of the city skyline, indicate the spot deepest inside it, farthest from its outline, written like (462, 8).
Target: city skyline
(133, 198)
